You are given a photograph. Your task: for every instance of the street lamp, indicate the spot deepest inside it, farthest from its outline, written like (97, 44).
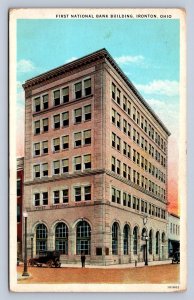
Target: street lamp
(146, 239)
(25, 271)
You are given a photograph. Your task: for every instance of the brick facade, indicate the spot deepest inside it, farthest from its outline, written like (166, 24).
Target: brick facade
(95, 194)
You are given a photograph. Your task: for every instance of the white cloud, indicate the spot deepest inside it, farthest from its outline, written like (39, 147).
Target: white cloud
(25, 66)
(128, 59)
(168, 112)
(160, 87)
(70, 59)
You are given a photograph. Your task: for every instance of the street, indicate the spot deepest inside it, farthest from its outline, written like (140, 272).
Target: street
(147, 274)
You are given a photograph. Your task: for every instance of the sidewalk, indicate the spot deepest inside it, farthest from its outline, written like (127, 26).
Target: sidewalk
(120, 266)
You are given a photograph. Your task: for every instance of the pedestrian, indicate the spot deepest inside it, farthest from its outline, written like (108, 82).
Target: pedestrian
(83, 259)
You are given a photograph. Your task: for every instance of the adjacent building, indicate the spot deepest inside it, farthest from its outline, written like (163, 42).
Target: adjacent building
(20, 179)
(173, 234)
(96, 158)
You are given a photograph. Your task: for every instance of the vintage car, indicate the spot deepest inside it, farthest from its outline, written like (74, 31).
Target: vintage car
(48, 258)
(176, 257)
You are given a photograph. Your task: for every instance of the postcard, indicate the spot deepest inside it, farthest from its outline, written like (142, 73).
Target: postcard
(97, 120)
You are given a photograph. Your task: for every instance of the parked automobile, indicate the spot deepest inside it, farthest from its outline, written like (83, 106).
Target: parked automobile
(48, 258)
(176, 257)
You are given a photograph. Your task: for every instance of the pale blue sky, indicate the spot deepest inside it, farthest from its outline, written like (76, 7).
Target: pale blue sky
(146, 50)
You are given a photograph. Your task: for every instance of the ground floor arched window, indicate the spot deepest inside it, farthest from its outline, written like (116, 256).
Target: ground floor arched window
(135, 240)
(61, 238)
(126, 239)
(150, 242)
(83, 238)
(115, 238)
(157, 242)
(41, 238)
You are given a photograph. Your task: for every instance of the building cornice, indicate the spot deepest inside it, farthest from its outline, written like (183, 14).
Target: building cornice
(101, 54)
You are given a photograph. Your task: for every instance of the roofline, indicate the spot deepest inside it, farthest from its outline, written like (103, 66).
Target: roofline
(174, 215)
(102, 53)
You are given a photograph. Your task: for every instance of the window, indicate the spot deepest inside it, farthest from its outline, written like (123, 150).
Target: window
(65, 118)
(65, 165)
(45, 198)
(56, 166)
(124, 148)
(19, 187)
(45, 125)
(129, 130)
(78, 115)
(124, 126)
(115, 235)
(118, 96)
(87, 87)
(41, 238)
(18, 214)
(56, 97)
(87, 161)
(113, 91)
(129, 151)
(124, 170)
(87, 113)
(113, 168)
(118, 167)
(45, 147)
(37, 149)
(65, 196)
(135, 240)
(134, 202)
(129, 108)
(77, 191)
(118, 120)
(65, 94)
(129, 173)
(45, 170)
(37, 171)
(87, 137)
(129, 200)
(78, 165)
(113, 140)
(87, 192)
(113, 194)
(77, 139)
(56, 197)
(157, 242)
(118, 200)
(37, 199)
(124, 199)
(118, 143)
(56, 121)
(124, 103)
(126, 240)
(56, 144)
(61, 238)
(134, 113)
(78, 90)
(83, 238)
(45, 101)
(36, 127)
(150, 242)
(113, 116)
(37, 104)
(65, 142)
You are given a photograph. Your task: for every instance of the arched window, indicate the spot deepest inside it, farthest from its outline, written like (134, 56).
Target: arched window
(163, 237)
(61, 238)
(83, 238)
(150, 242)
(115, 237)
(135, 240)
(157, 242)
(126, 240)
(41, 238)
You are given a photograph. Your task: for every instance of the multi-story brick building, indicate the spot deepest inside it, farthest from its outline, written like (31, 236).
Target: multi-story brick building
(173, 234)
(95, 165)
(20, 180)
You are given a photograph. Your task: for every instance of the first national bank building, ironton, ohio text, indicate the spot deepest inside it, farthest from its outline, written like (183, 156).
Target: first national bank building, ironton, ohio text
(95, 165)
